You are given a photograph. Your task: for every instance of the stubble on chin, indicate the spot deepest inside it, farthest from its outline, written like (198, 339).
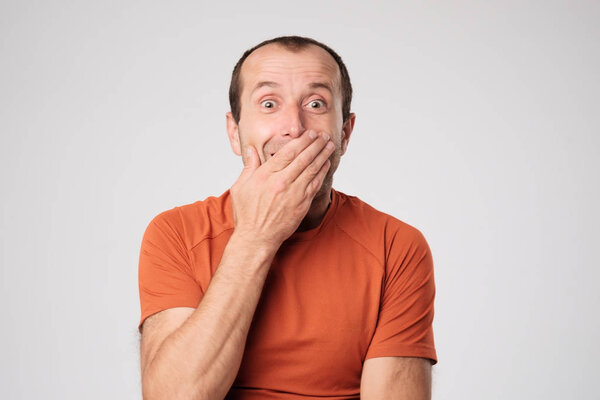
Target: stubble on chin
(327, 184)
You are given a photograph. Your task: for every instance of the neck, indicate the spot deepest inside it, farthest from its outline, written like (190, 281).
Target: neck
(317, 211)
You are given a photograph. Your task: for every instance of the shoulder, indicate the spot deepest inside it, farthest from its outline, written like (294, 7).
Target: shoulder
(366, 223)
(194, 222)
(380, 232)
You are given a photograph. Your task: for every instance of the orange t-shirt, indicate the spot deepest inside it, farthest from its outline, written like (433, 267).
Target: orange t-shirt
(358, 286)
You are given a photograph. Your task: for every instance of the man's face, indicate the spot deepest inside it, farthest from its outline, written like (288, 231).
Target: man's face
(285, 93)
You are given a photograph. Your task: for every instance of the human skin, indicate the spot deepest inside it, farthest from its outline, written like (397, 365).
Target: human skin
(284, 93)
(289, 155)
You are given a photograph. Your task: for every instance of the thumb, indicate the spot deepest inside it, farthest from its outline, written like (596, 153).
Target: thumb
(252, 160)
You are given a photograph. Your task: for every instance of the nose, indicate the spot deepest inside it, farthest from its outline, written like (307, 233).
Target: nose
(292, 122)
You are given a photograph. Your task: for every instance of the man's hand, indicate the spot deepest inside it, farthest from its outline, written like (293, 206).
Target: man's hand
(270, 200)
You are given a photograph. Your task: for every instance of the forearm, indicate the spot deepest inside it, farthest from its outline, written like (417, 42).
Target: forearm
(200, 359)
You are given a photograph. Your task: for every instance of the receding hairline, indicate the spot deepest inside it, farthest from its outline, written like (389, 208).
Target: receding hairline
(295, 48)
(292, 43)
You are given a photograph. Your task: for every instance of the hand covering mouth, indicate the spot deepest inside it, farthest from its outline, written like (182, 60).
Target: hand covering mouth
(273, 149)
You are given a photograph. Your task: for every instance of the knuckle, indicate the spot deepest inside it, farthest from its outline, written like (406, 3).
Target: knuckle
(280, 185)
(313, 169)
(314, 184)
(303, 159)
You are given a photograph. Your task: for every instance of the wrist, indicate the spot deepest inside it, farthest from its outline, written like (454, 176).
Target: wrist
(251, 248)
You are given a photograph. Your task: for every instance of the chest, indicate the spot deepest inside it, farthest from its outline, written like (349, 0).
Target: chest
(315, 319)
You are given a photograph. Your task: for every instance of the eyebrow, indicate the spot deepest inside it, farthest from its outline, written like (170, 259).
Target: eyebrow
(321, 85)
(263, 84)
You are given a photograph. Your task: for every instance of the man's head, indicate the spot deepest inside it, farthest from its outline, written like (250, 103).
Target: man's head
(292, 43)
(283, 87)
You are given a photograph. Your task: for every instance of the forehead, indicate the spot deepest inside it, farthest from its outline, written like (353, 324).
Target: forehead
(275, 62)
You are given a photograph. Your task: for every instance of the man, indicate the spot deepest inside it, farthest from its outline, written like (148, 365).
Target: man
(283, 288)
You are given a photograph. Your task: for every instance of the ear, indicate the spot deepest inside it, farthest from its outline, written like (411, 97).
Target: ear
(233, 133)
(347, 131)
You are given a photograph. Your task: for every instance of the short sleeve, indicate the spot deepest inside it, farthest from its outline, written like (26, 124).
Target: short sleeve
(404, 327)
(165, 274)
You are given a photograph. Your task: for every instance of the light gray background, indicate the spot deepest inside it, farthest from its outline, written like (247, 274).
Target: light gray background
(477, 122)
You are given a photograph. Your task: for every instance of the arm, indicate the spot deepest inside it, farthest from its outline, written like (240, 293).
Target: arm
(200, 358)
(196, 353)
(396, 378)
(398, 362)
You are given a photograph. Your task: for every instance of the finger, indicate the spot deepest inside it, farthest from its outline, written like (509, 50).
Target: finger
(290, 151)
(313, 186)
(305, 159)
(308, 164)
(251, 161)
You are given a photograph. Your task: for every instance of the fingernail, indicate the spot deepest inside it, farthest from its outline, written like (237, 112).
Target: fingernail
(330, 145)
(312, 134)
(248, 152)
(326, 137)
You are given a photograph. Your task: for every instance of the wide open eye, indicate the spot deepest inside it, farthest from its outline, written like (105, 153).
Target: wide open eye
(316, 104)
(268, 104)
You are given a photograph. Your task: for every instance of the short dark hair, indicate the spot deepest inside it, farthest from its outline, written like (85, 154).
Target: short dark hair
(293, 43)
